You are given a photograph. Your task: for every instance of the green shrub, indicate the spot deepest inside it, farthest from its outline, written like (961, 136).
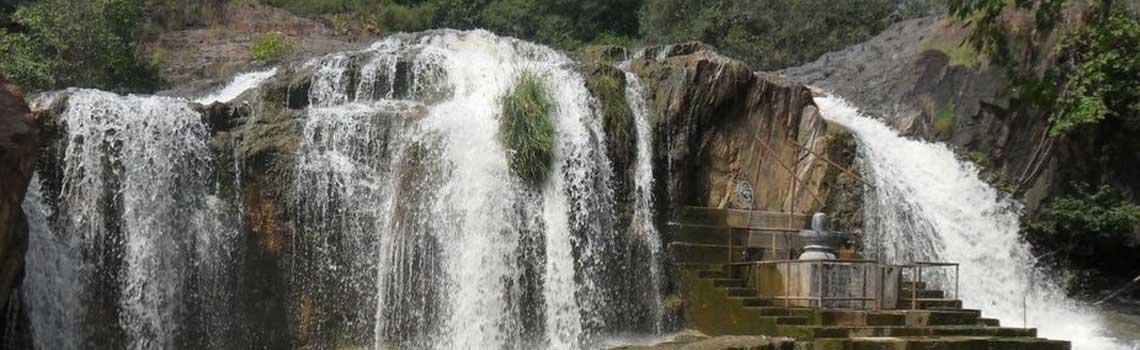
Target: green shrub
(62, 43)
(944, 122)
(1087, 229)
(273, 46)
(768, 34)
(526, 128)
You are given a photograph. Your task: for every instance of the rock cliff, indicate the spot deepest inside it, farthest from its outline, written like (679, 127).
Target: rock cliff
(18, 152)
(715, 123)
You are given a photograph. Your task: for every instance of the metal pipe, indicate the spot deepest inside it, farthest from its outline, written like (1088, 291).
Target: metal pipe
(841, 168)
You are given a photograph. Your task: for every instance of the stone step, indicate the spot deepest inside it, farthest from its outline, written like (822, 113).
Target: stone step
(693, 253)
(740, 291)
(923, 293)
(989, 322)
(791, 320)
(817, 331)
(753, 301)
(940, 343)
(922, 318)
(709, 234)
(728, 282)
(712, 274)
(860, 318)
(769, 310)
(907, 284)
(905, 303)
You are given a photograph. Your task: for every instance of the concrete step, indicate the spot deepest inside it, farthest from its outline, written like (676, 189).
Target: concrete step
(817, 331)
(989, 322)
(860, 318)
(728, 282)
(740, 291)
(923, 293)
(923, 318)
(754, 301)
(791, 320)
(693, 253)
(769, 310)
(940, 343)
(712, 274)
(709, 234)
(905, 303)
(907, 284)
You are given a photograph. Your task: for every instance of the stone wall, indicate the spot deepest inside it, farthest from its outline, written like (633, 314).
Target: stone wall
(18, 150)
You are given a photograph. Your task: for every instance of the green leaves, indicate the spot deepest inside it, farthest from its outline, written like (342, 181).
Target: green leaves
(273, 46)
(1094, 67)
(526, 128)
(1101, 60)
(1073, 223)
(767, 34)
(77, 43)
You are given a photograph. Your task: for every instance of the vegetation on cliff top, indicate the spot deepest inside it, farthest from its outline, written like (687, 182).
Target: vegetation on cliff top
(59, 43)
(526, 128)
(1079, 71)
(1087, 231)
(49, 44)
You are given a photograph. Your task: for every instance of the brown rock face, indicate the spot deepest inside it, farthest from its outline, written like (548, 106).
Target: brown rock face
(718, 123)
(18, 143)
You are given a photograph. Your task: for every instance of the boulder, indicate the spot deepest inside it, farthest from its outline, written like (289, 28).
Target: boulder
(717, 123)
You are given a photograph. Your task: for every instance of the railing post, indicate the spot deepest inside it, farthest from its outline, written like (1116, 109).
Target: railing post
(819, 267)
(914, 287)
(787, 275)
(956, 295)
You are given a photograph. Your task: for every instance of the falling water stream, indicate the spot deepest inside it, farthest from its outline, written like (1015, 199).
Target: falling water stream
(924, 204)
(410, 229)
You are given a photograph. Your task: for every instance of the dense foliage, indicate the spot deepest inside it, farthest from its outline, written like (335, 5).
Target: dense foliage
(526, 128)
(1090, 68)
(59, 43)
(767, 34)
(50, 44)
(1088, 230)
(273, 46)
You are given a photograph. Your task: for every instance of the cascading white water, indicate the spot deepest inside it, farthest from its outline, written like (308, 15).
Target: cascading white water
(466, 255)
(408, 229)
(132, 218)
(237, 86)
(643, 225)
(924, 204)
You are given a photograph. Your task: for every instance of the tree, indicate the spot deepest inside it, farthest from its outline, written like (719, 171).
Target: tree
(77, 43)
(767, 34)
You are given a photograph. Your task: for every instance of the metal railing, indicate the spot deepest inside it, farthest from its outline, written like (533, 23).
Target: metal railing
(916, 279)
(819, 291)
(746, 238)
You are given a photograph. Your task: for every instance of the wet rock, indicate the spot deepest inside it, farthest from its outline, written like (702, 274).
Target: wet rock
(19, 140)
(717, 123)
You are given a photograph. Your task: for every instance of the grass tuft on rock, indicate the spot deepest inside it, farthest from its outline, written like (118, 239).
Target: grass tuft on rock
(526, 128)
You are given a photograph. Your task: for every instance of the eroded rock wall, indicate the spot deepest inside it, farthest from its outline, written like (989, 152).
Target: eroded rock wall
(717, 123)
(19, 140)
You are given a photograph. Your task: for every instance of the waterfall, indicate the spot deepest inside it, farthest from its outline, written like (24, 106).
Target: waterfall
(643, 225)
(406, 189)
(924, 204)
(133, 231)
(400, 222)
(237, 86)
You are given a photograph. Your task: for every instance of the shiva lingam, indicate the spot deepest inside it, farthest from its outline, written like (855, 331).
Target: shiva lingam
(820, 242)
